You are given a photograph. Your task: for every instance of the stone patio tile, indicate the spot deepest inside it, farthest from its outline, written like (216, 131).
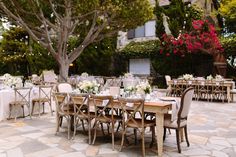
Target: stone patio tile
(220, 142)
(198, 139)
(232, 141)
(3, 155)
(92, 150)
(47, 153)
(219, 154)
(33, 146)
(196, 151)
(79, 146)
(17, 152)
(213, 147)
(34, 135)
(73, 154)
(26, 128)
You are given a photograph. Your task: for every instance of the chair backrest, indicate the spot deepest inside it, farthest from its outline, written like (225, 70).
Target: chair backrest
(186, 100)
(22, 94)
(131, 107)
(80, 103)
(45, 91)
(102, 105)
(168, 78)
(64, 88)
(62, 105)
(49, 76)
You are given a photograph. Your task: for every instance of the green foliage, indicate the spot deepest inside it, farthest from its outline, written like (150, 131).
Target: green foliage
(182, 22)
(229, 45)
(17, 57)
(228, 12)
(97, 58)
(140, 49)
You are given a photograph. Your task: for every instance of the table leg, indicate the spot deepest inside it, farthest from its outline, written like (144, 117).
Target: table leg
(160, 132)
(228, 94)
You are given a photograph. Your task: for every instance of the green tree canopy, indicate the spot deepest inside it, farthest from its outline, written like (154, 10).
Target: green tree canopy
(53, 22)
(228, 11)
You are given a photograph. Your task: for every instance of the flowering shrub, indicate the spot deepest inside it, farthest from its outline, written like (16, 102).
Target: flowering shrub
(203, 37)
(87, 86)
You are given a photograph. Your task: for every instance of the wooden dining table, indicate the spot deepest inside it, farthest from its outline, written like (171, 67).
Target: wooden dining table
(159, 108)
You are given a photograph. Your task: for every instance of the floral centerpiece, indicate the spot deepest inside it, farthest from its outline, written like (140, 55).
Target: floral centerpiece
(84, 74)
(87, 86)
(128, 75)
(209, 77)
(218, 77)
(143, 88)
(188, 76)
(12, 81)
(129, 89)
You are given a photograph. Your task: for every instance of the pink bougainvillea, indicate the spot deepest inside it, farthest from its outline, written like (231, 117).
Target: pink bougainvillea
(202, 37)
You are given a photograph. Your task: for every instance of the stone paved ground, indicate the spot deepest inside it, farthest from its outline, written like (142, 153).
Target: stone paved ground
(212, 132)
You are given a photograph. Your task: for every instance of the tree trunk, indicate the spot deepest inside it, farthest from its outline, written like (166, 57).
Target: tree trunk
(63, 72)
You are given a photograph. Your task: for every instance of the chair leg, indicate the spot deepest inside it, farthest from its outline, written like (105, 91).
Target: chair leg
(177, 140)
(10, 110)
(23, 111)
(135, 136)
(102, 129)
(153, 136)
(89, 130)
(95, 131)
(118, 126)
(68, 126)
(143, 142)
(58, 119)
(164, 136)
(82, 121)
(50, 105)
(32, 112)
(122, 140)
(186, 135)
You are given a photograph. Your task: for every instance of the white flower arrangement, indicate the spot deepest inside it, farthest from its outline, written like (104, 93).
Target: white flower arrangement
(143, 88)
(209, 77)
(188, 76)
(12, 81)
(87, 86)
(84, 74)
(218, 77)
(128, 75)
(129, 89)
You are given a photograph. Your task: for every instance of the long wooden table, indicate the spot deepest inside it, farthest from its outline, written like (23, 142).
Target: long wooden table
(194, 83)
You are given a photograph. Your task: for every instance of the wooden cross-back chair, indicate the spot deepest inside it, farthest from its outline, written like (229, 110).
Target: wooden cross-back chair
(131, 109)
(22, 98)
(63, 109)
(81, 111)
(104, 113)
(45, 95)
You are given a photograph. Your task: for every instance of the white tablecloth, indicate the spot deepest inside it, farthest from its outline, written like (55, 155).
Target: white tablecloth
(7, 95)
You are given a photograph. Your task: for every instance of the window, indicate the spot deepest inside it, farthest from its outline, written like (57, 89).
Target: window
(139, 66)
(147, 30)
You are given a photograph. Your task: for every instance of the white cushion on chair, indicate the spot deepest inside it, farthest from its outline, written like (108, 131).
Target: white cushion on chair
(233, 91)
(173, 124)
